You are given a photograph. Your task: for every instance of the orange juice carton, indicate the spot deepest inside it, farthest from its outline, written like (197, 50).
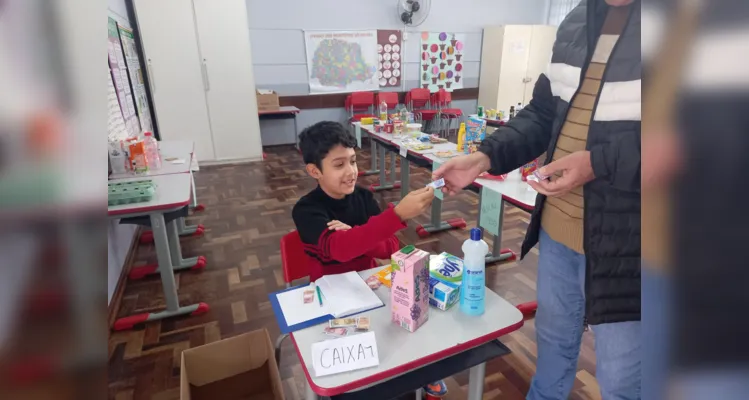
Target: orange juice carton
(409, 294)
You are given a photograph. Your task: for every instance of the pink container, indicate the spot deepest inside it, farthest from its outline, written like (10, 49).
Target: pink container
(409, 294)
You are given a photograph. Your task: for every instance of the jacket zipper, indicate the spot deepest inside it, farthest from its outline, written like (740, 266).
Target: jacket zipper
(586, 217)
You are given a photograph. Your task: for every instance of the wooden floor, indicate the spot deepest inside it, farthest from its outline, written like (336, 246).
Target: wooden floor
(248, 209)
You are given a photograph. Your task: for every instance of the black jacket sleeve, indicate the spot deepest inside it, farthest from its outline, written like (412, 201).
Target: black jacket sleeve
(618, 162)
(526, 136)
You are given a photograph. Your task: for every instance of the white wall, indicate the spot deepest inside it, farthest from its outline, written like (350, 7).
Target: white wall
(278, 52)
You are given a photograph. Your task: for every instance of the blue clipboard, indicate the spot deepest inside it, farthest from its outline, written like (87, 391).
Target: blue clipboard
(273, 297)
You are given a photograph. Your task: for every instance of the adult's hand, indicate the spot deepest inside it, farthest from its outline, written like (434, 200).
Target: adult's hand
(662, 158)
(576, 170)
(460, 172)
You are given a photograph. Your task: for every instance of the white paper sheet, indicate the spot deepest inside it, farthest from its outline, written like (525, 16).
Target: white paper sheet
(296, 311)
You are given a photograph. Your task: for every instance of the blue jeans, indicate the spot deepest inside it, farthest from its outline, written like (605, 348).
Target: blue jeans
(559, 329)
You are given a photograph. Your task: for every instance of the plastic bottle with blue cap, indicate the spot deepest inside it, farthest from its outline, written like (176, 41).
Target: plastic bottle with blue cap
(473, 287)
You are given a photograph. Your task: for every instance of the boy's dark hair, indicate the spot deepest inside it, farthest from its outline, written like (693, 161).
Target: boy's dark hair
(316, 140)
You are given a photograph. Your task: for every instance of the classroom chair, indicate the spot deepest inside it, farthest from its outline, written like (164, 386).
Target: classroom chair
(390, 98)
(359, 105)
(294, 264)
(418, 102)
(442, 100)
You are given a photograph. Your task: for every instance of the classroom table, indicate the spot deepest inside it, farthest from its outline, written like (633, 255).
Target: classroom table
(284, 112)
(513, 189)
(403, 354)
(172, 194)
(387, 143)
(182, 150)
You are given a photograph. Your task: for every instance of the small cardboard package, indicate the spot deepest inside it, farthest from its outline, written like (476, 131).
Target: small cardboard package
(238, 368)
(409, 293)
(267, 100)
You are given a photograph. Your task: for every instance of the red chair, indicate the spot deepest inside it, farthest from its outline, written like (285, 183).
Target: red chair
(442, 99)
(294, 264)
(418, 102)
(359, 105)
(390, 98)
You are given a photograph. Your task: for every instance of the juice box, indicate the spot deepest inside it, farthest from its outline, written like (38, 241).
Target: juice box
(409, 294)
(445, 276)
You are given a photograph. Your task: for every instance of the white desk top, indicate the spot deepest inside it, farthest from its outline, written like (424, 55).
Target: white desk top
(280, 110)
(445, 334)
(512, 189)
(172, 192)
(181, 149)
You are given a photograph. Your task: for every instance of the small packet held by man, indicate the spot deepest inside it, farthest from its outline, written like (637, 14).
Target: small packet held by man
(537, 176)
(338, 332)
(309, 296)
(437, 184)
(342, 322)
(373, 282)
(362, 324)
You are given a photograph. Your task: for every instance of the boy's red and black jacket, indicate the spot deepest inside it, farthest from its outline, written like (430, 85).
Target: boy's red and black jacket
(372, 233)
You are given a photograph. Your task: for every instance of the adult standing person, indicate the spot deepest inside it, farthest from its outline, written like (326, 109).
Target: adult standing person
(585, 115)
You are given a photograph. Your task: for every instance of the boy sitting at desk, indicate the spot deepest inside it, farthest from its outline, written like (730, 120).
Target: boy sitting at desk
(340, 224)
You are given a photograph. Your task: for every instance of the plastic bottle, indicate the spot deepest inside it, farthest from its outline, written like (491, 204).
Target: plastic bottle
(461, 137)
(473, 287)
(383, 111)
(152, 151)
(404, 115)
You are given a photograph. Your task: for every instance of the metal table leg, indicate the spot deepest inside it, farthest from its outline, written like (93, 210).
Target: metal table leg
(296, 133)
(195, 205)
(476, 382)
(373, 170)
(309, 393)
(405, 177)
(497, 254)
(175, 254)
(161, 239)
(436, 224)
(383, 183)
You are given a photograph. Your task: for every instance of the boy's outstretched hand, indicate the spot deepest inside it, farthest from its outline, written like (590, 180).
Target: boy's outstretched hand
(414, 203)
(336, 225)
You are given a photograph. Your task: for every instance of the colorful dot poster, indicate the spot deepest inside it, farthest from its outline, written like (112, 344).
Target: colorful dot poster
(441, 60)
(389, 57)
(342, 61)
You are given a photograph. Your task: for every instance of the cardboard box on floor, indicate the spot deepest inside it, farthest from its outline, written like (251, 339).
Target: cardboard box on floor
(267, 100)
(238, 368)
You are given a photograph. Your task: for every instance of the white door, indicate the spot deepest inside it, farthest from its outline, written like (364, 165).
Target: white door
(170, 46)
(226, 58)
(515, 51)
(542, 41)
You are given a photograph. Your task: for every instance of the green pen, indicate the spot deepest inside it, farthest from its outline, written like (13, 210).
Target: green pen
(319, 295)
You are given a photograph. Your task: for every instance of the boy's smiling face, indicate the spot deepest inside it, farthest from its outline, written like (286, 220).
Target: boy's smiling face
(339, 172)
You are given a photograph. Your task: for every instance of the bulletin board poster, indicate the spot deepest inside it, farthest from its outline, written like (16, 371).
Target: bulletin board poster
(341, 61)
(118, 70)
(389, 57)
(136, 77)
(441, 60)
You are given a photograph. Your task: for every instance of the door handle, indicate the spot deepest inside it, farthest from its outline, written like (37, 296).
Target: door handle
(151, 77)
(206, 81)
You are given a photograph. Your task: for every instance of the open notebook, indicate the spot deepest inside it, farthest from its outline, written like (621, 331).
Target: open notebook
(343, 295)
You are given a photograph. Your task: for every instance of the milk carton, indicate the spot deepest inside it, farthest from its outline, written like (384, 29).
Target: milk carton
(445, 272)
(409, 294)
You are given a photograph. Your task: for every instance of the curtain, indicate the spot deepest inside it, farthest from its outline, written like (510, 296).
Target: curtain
(558, 9)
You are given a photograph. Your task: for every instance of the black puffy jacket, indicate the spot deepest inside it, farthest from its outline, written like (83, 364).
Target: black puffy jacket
(612, 200)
